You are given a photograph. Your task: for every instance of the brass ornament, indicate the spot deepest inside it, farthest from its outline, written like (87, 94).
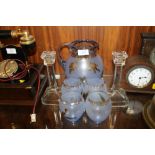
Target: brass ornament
(25, 37)
(8, 66)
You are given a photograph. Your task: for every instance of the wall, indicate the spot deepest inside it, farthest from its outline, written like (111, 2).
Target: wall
(110, 38)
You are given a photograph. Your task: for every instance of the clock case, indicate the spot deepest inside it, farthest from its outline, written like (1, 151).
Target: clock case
(148, 44)
(143, 59)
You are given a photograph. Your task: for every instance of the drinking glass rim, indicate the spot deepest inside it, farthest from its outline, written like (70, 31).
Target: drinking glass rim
(77, 95)
(77, 83)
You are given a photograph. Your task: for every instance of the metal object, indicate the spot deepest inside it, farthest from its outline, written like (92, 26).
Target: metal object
(149, 113)
(8, 68)
(19, 52)
(25, 37)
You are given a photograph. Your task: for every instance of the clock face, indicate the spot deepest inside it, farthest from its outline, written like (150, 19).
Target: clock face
(140, 76)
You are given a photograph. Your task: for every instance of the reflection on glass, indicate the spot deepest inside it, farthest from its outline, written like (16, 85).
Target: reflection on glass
(112, 119)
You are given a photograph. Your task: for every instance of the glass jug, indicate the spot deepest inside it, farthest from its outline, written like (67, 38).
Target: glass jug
(83, 61)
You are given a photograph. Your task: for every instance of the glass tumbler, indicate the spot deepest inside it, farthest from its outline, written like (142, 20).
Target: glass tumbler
(98, 106)
(94, 84)
(71, 84)
(71, 104)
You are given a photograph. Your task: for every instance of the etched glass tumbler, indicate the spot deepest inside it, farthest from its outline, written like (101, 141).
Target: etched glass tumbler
(72, 105)
(93, 84)
(98, 106)
(71, 84)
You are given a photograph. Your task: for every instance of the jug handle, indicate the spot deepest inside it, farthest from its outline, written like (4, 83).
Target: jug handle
(71, 45)
(60, 59)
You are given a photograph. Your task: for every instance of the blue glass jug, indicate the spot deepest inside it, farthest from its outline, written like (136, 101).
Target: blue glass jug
(83, 61)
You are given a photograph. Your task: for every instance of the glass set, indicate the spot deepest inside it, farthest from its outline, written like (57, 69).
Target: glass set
(77, 96)
(90, 97)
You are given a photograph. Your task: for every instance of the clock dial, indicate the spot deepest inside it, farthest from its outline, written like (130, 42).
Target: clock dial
(140, 76)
